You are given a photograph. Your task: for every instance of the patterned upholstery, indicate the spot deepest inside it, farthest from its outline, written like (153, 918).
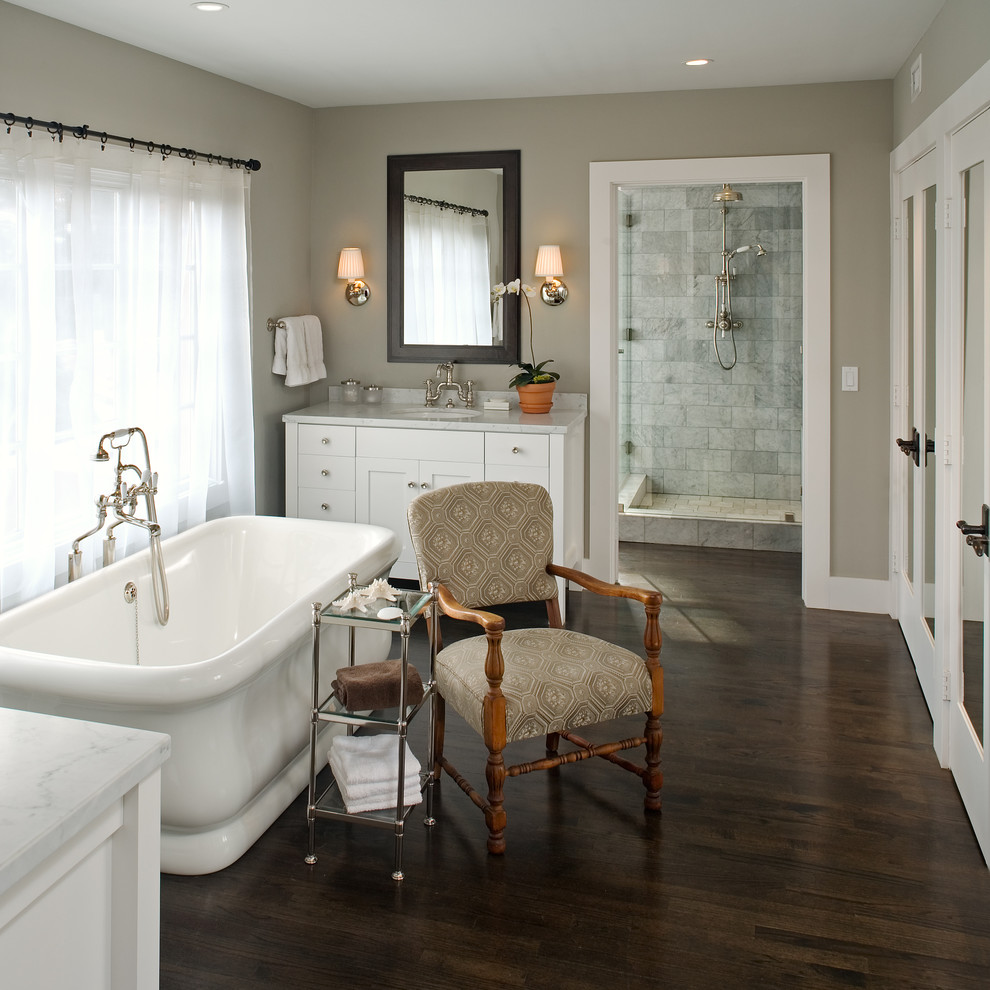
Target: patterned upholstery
(489, 542)
(554, 679)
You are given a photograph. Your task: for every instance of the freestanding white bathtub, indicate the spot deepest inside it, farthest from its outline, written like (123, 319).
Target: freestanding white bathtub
(229, 678)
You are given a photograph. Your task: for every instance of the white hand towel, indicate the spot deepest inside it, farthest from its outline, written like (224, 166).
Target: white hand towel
(299, 350)
(366, 769)
(370, 759)
(385, 798)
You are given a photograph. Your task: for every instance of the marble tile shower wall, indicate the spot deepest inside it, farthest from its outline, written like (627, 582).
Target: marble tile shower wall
(690, 426)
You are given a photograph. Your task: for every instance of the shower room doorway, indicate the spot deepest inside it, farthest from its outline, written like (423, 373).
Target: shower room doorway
(709, 383)
(701, 409)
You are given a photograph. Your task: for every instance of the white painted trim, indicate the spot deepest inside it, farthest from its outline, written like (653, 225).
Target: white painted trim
(605, 178)
(859, 595)
(936, 132)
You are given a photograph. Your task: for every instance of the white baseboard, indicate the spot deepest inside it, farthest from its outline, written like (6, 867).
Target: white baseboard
(858, 595)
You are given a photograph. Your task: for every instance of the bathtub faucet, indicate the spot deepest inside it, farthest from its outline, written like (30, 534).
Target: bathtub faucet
(122, 505)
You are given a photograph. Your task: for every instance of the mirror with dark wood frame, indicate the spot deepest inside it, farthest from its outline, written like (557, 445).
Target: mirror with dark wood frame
(440, 300)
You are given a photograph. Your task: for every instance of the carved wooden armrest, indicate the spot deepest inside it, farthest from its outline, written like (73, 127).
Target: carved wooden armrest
(489, 621)
(649, 598)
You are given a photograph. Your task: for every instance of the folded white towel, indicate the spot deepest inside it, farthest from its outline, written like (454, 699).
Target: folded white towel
(384, 798)
(361, 789)
(299, 350)
(366, 769)
(370, 759)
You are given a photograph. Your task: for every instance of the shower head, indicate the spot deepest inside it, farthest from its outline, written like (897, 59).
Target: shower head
(727, 195)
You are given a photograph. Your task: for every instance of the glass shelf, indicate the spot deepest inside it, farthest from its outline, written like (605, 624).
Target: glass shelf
(413, 604)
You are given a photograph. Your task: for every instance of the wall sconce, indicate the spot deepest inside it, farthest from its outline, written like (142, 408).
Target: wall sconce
(553, 292)
(351, 267)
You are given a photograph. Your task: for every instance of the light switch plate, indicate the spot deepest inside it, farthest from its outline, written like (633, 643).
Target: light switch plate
(850, 379)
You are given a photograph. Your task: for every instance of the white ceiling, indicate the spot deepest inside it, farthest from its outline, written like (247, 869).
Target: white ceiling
(324, 53)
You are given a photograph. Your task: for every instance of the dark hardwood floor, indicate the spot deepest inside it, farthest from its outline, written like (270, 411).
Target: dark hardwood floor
(808, 838)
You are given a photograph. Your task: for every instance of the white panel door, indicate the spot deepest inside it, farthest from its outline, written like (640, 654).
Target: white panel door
(970, 330)
(916, 473)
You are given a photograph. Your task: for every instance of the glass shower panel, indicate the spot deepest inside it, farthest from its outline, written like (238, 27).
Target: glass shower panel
(694, 430)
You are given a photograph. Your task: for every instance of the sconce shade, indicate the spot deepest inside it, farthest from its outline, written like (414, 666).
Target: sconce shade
(351, 265)
(548, 263)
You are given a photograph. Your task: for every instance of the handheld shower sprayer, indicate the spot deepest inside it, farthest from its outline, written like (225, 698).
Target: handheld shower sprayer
(723, 320)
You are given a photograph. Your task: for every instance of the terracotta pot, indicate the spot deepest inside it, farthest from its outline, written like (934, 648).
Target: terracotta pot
(536, 398)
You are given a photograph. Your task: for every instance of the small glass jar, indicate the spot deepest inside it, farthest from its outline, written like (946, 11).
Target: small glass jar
(373, 394)
(350, 389)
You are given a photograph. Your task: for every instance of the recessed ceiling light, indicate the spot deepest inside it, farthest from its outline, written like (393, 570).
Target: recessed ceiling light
(211, 8)
(699, 61)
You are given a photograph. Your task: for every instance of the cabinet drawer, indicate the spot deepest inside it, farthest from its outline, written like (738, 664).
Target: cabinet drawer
(326, 472)
(524, 449)
(317, 439)
(422, 445)
(319, 503)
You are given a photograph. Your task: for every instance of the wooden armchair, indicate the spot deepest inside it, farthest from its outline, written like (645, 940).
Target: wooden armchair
(490, 543)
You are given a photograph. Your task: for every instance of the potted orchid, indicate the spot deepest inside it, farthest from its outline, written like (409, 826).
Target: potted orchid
(534, 385)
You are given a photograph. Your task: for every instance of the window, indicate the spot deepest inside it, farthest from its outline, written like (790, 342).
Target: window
(126, 303)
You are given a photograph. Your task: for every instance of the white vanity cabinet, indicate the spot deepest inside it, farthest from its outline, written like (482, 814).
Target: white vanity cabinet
(393, 466)
(322, 469)
(364, 464)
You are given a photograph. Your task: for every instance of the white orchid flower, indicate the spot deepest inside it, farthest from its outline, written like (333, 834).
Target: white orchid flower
(498, 290)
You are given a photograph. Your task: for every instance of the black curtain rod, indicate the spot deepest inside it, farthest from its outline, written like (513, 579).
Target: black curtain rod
(441, 204)
(83, 131)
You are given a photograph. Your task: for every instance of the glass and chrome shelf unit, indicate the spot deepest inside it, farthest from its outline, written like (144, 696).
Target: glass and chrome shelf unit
(327, 708)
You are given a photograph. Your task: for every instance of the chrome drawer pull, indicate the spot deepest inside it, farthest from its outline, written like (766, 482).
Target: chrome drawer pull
(412, 484)
(325, 440)
(515, 450)
(325, 507)
(325, 473)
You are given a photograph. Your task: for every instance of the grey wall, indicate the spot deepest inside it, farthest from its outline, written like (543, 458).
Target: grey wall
(53, 71)
(558, 138)
(695, 427)
(955, 45)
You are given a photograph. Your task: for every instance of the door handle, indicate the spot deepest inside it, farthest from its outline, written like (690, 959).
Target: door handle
(912, 448)
(978, 537)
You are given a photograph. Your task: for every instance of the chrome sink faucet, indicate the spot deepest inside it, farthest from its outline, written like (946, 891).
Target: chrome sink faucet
(465, 392)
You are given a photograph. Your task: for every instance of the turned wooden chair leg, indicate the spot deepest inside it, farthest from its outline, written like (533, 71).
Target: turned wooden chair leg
(653, 779)
(495, 810)
(438, 730)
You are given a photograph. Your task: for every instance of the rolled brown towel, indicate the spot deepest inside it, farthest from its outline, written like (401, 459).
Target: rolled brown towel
(369, 686)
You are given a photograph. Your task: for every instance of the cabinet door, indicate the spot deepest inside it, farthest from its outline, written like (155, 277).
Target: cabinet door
(441, 474)
(384, 486)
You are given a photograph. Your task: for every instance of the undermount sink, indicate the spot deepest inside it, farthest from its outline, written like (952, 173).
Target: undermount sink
(439, 412)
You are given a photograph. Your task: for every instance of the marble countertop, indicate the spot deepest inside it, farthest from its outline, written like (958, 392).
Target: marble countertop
(57, 775)
(405, 409)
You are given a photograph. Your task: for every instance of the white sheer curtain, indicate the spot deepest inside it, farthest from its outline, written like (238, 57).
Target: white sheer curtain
(125, 281)
(446, 279)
